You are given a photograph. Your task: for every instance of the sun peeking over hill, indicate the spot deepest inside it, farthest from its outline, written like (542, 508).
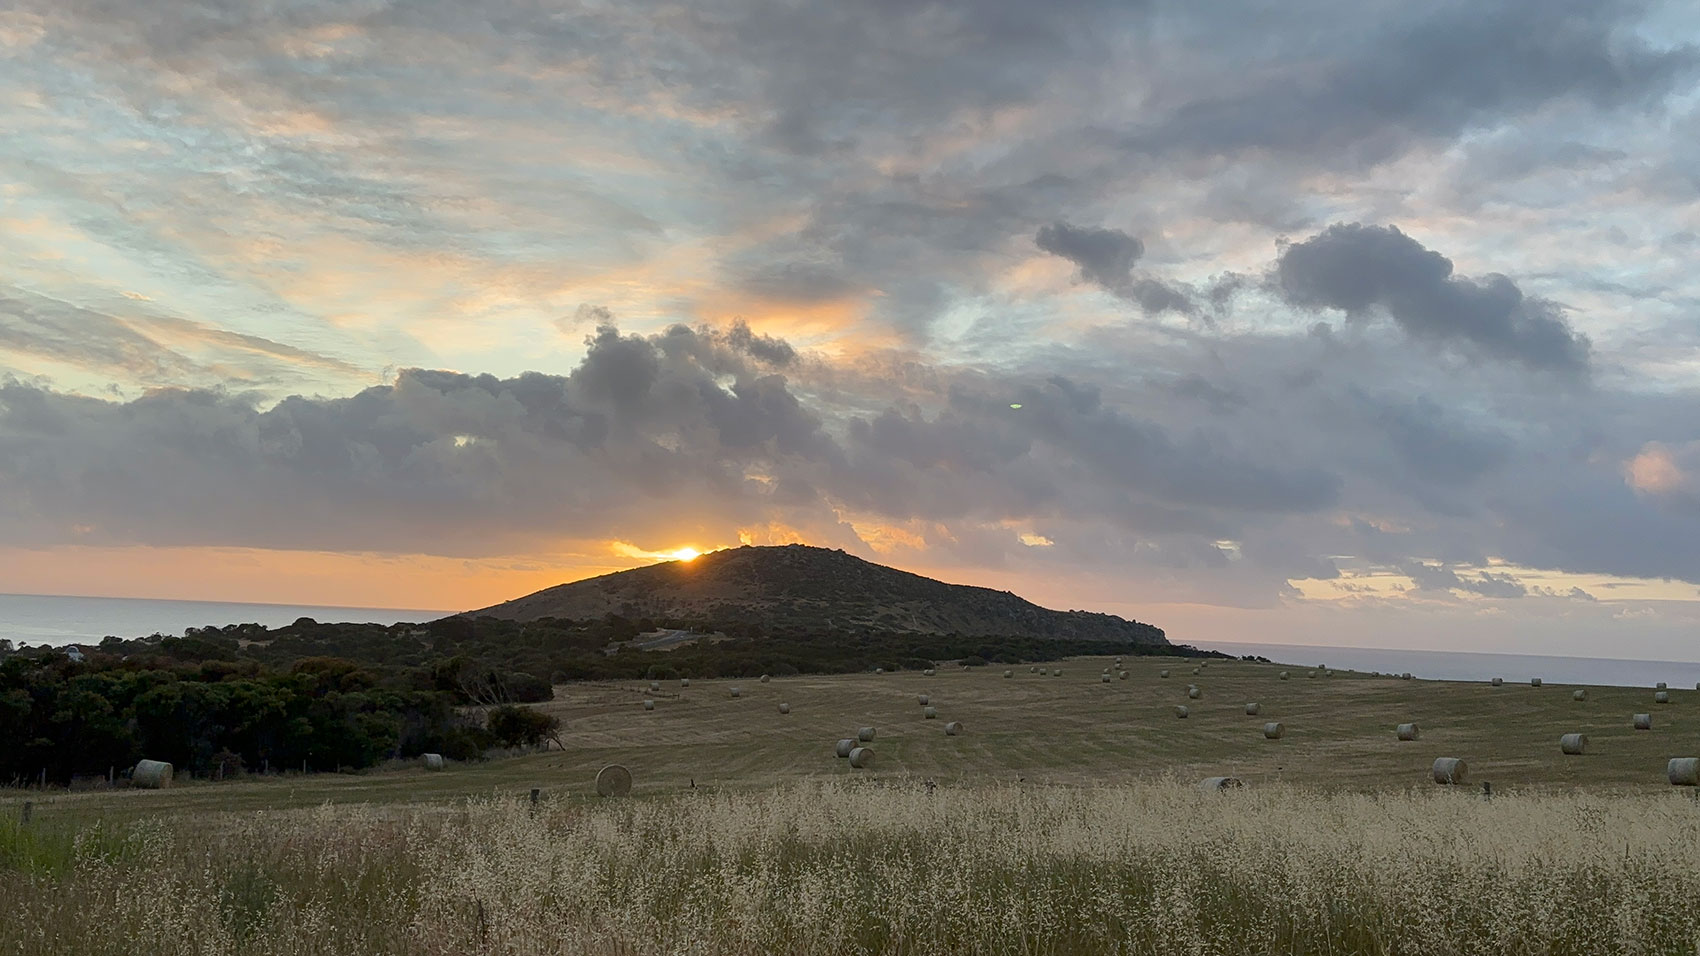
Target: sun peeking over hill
(683, 553)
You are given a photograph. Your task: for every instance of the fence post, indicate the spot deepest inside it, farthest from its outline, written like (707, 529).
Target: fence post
(28, 806)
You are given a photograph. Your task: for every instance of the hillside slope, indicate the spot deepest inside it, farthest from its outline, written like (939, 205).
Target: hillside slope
(799, 586)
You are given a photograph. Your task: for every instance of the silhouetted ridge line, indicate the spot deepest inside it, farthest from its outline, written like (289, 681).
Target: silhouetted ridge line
(791, 586)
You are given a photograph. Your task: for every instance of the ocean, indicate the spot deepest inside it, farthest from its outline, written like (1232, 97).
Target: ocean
(46, 619)
(1453, 665)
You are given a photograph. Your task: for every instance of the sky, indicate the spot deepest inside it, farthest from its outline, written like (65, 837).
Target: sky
(1351, 322)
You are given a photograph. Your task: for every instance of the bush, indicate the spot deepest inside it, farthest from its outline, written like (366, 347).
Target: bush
(514, 726)
(527, 688)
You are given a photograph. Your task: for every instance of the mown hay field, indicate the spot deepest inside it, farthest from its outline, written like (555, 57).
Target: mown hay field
(1340, 733)
(1066, 818)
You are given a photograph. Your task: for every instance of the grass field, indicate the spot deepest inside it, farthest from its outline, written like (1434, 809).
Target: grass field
(858, 867)
(1070, 730)
(1066, 819)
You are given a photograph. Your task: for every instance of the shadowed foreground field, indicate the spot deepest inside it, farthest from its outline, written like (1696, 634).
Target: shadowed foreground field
(1071, 730)
(1065, 819)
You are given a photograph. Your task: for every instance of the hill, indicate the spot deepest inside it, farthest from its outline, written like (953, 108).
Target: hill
(796, 586)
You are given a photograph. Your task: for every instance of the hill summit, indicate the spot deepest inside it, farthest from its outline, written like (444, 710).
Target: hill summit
(797, 586)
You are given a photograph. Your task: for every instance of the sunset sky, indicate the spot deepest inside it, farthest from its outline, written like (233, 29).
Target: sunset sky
(1362, 322)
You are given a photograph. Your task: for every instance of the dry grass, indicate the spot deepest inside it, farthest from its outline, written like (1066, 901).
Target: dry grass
(1106, 845)
(860, 867)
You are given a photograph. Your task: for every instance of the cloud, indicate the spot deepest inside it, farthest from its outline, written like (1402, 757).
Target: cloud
(1438, 577)
(647, 433)
(148, 346)
(1106, 258)
(1354, 268)
(1362, 91)
(1665, 473)
(421, 185)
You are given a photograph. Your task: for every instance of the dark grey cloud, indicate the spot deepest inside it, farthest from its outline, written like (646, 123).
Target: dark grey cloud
(774, 351)
(1439, 577)
(1106, 258)
(1354, 268)
(1431, 445)
(1361, 89)
(1220, 400)
(686, 424)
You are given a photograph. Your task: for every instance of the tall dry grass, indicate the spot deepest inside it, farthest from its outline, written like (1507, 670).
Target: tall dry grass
(1159, 868)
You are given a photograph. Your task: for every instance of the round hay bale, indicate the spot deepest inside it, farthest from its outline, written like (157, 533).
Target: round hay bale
(1498, 682)
(1118, 662)
(1285, 675)
(784, 708)
(1044, 672)
(1683, 771)
(1180, 711)
(1534, 682)
(765, 678)
(928, 672)
(1008, 673)
(151, 775)
(844, 746)
(1407, 731)
(1124, 675)
(432, 761)
(613, 781)
(1032, 670)
(1450, 770)
(1643, 721)
(1405, 676)
(1661, 697)
(1579, 695)
(1193, 692)
(1311, 674)
(1252, 710)
(1056, 672)
(861, 758)
(1218, 784)
(953, 728)
(649, 705)
(1274, 730)
(1660, 686)
(1163, 673)
(1195, 671)
(654, 686)
(879, 670)
(1105, 678)
(865, 735)
(685, 683)
(923, 699)
(1573, 744)
(737, 691)
(929, 712)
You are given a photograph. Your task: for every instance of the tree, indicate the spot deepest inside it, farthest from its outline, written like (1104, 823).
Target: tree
(515, 726)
